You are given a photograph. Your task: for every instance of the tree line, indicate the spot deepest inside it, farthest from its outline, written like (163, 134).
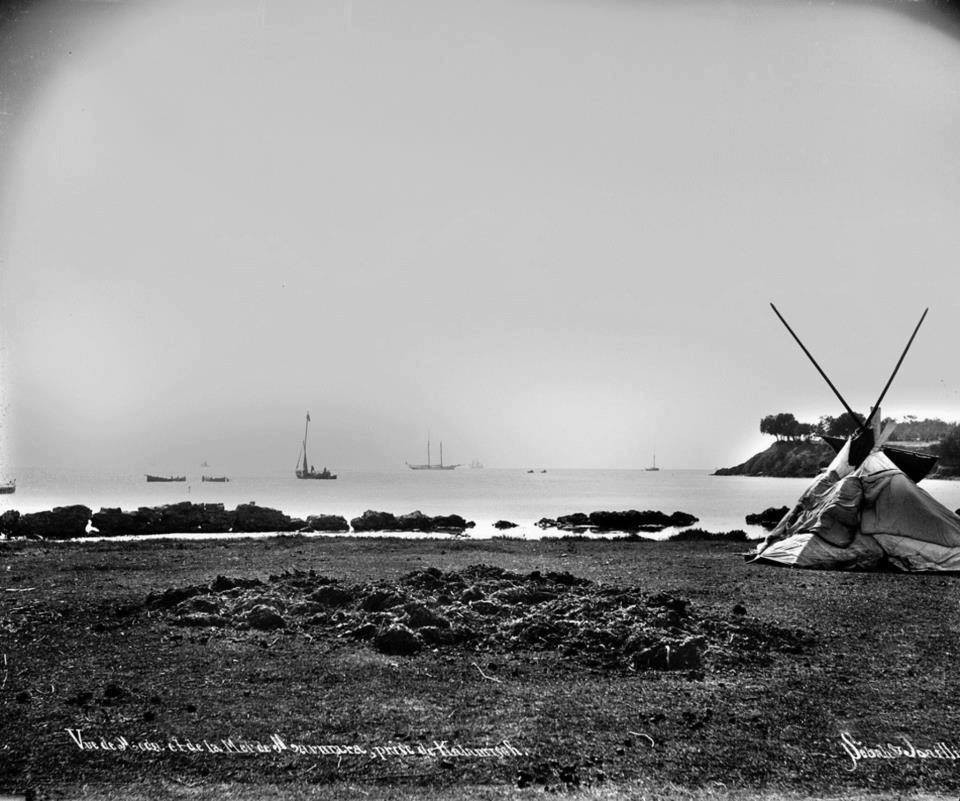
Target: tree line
(785, 426)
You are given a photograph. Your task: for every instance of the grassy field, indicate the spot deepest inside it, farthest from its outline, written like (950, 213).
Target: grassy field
(83, 650)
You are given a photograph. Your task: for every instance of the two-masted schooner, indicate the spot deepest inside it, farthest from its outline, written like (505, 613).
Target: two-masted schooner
(304, 468)
(431, 466)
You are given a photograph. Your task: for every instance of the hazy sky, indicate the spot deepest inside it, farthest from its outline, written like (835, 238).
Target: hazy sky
(546, 230)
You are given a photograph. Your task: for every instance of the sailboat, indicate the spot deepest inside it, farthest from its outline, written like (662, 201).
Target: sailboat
(306, 470)
(428, 465)
(653, 468)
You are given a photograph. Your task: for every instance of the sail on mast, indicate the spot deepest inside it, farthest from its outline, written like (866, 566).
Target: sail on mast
(306, 471)
(306, 466)
(430, 465)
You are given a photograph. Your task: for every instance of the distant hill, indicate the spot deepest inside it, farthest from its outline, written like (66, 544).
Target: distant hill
(806, 458)
(785, 459)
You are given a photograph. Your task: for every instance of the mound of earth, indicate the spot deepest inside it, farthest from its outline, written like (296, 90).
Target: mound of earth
(483, 608)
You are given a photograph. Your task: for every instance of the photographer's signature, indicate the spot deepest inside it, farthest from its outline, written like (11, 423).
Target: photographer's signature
(858, 750)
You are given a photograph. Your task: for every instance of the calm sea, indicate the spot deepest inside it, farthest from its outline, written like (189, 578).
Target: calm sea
(483, 495)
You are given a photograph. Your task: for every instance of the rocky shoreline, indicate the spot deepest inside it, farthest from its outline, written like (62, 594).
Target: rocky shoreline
(76, 521)
(803, 459)
(73, 522)
(630, 521)
(807, 458)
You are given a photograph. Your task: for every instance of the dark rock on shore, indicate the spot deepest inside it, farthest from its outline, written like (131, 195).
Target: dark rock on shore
(176, 518)
(327, 523)
(9, 523)
(186, 517)
(630, 521)
(768, 518)
(111, 522)
(569, 522)
(374, 521)
(249, 517)
(451, 523)
(699, 535)
(60, 523)
(414, 521)
(785, 459)
(637, 521)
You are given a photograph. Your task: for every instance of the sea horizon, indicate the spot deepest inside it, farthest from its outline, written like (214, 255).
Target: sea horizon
(483, 496)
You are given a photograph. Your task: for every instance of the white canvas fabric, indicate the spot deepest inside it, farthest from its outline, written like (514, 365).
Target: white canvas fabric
(866, 518)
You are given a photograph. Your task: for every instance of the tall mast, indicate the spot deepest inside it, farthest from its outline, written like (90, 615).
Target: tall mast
(876, 406)
(853, 415)
(441, 453)
(306, 467)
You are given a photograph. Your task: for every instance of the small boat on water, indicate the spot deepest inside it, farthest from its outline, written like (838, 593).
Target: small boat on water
(653, 468)
(8, 489)
(307, 470)
(431, 466)
(476, 464)
(165, 478)
(215, 479)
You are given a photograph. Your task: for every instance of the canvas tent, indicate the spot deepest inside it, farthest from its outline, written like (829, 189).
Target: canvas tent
(866, 512)
(865, 517)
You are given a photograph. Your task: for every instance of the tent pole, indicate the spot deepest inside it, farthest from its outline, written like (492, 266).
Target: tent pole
(895, 369)
(836, 392)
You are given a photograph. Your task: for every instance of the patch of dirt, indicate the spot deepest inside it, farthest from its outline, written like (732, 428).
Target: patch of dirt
(488, 609)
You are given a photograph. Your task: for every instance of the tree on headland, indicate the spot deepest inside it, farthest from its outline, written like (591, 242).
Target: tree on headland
(930, 429)
(841, 426)
(931, 435)
(786, 426)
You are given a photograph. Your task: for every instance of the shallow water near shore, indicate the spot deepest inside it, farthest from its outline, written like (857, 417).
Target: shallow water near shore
(482, 495)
